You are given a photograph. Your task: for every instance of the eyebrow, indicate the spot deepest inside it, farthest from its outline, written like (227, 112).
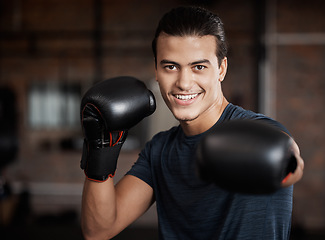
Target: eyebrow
(165, 61)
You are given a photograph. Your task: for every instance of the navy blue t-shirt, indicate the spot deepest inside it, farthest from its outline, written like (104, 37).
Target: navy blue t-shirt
(189, 208)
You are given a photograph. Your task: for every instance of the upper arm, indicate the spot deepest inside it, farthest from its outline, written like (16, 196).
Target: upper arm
(133, 198)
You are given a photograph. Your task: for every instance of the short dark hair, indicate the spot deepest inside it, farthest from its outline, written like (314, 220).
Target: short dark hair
(189, 21)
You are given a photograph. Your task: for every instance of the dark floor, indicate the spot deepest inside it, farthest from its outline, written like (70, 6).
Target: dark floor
(66, 226)
(61, 226)
(65, 231)
(69, 232)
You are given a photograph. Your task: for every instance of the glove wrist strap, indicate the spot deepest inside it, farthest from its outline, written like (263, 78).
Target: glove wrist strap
(99, 163)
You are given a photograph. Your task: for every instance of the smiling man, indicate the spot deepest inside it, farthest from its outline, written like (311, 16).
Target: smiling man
(190, 64)
(189, 77)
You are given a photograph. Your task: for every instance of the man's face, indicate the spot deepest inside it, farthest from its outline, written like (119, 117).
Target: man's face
(189, 75)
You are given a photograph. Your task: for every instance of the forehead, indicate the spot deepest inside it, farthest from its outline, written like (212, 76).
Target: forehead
(186, 47)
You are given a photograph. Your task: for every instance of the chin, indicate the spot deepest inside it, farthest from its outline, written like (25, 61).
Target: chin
(183, 118)
(184, 115)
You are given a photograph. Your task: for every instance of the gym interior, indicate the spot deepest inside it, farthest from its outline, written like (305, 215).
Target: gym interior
(52, 51)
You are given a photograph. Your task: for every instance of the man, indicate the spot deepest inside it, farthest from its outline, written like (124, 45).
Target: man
(190, 56)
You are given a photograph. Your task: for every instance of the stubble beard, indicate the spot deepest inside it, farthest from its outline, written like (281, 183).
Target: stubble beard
(186, 119)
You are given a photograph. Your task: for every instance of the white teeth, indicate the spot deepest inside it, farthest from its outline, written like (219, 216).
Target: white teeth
(186, 97)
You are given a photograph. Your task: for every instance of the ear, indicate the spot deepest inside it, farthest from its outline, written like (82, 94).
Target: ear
(223, 69)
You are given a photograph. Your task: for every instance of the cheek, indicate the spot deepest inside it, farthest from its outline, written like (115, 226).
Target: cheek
(164, 83)
(163, 90)
(212, 88)
(209, 83)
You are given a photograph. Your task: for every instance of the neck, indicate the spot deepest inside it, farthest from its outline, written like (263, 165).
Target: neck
(206, 121)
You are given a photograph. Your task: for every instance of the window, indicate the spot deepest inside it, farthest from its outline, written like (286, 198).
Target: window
(54, 105)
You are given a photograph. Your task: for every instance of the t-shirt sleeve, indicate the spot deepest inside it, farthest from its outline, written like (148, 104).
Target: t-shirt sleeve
(142, 167)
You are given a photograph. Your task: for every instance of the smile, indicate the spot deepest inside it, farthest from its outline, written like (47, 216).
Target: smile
(186, 97)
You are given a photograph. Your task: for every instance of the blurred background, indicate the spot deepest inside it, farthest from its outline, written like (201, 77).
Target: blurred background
(52, 51)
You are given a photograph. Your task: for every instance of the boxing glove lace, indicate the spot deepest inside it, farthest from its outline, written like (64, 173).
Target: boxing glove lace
(108, 110)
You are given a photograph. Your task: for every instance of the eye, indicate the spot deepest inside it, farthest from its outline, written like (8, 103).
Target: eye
(199, 67)
(170, 67)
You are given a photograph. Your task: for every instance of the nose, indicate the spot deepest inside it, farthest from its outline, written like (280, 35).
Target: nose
(185, 80)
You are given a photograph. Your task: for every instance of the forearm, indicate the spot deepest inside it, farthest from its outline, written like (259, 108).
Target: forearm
(98, 212)
(107, 111)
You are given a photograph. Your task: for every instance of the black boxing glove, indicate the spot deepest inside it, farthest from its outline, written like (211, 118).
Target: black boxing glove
(245, 156)
(107, 111)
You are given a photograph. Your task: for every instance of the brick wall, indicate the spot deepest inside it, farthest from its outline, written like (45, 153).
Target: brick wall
(300, 89)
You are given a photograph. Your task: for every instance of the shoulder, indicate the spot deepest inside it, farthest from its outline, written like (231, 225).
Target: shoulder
(148, 160)
(234, 112)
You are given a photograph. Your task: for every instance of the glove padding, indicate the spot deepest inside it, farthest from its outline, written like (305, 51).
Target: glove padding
(244, 156)
(107, 111)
